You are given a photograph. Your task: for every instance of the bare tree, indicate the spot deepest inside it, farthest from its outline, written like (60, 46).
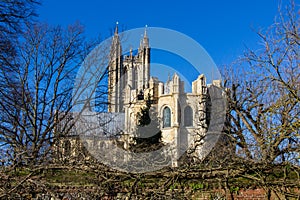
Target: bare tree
(15, 13)
(264, 104)
(13, 17)
(40, 97)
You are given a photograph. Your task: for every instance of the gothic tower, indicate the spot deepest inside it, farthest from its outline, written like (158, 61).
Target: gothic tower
(131, 71)
(144, 68)
(115, 73)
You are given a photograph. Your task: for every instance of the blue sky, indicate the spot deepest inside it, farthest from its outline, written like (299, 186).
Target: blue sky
(222, 27)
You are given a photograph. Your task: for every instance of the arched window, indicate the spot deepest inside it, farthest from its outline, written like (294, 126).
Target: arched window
(84, 148)
(67, 148)
(166, 117)
(188, 116)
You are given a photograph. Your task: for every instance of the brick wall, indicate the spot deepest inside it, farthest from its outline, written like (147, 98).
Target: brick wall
(255, 194)
(248, 194)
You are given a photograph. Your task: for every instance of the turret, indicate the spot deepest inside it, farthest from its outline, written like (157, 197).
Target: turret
(115, 68)
(145, 39)
(116, 49)
(147, 57)
(144, 56)
(199, 85)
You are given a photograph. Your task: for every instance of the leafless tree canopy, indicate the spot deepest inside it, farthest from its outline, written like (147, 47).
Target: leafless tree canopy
(13, 17)
(264, 95)
(15, 13)
(38, 89)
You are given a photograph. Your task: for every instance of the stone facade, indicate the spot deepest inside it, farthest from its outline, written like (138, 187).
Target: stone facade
(181, 117)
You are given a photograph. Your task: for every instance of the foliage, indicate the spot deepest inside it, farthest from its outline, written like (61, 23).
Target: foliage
(148, 133)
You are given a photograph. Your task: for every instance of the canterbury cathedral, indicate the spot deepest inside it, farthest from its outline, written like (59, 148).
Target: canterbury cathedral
(180, 118)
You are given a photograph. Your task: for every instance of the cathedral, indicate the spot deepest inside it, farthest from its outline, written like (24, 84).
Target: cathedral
(180, 117)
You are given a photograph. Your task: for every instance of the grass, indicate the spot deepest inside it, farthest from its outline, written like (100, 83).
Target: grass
(69, 177)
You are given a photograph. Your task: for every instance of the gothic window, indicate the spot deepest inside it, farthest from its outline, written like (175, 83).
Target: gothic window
(135, 77)
(102, 145)
(84, 148)
(67, 148)
(166, 117)
(179, 113)
(140, 95)
(125, 76)
(188, 116)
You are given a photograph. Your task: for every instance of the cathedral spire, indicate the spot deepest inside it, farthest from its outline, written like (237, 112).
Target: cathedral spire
(145, 32)
(117, 28)
(145, 40)
(116, 49)
(130, 52)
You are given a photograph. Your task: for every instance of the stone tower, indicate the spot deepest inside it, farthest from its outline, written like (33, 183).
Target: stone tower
(127, 71)
(115, 70)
